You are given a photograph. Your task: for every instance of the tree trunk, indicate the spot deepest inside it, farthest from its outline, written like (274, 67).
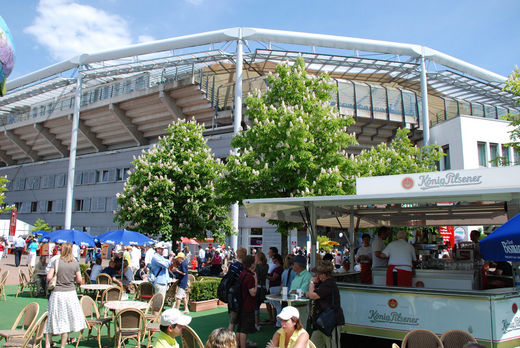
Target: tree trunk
(284, 250)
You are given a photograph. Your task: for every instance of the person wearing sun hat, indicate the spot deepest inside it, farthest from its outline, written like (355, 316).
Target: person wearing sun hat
(291, 334)
(181, 273)
(171, 325)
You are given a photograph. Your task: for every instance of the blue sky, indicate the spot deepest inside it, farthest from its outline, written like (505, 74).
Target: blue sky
(484, 33)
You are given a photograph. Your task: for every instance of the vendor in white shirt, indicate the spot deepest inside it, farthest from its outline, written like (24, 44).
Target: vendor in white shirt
(364, 257)
(401, 256)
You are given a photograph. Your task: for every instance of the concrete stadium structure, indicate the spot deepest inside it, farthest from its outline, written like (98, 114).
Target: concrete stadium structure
(69, 131)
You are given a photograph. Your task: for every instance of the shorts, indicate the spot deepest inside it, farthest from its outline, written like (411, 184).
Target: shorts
(180, 293)
(246, 322)
(233, 317)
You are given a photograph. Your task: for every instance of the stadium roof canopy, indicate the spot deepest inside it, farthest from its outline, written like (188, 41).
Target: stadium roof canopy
(337, 55)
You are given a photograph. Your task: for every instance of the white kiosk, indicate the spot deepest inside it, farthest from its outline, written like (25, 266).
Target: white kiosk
(488, 196)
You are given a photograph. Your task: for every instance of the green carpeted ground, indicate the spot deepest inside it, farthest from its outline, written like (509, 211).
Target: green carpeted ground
(203, 322)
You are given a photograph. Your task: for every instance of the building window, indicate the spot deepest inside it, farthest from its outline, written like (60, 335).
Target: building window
(517, 157)
(122, 174)
(482, 157)
(446, 159)
(49, 206)
(493, 153)
(34, 207)
(506, 155)
(18, 206)
(81, 205)
(104, 175)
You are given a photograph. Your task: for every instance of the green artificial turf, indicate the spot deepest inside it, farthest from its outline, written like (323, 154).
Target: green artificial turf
(203, 322)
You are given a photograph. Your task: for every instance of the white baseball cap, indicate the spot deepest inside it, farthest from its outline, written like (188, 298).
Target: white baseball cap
(288, 313)
(161, 245)
(174, 316)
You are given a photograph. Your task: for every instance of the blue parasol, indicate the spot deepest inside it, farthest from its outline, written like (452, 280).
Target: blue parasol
(71, 236)
(125, 237)
(504, 243)
(40, 233)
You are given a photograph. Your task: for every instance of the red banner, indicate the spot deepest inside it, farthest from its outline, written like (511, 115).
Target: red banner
(12, 225)
(448, 234)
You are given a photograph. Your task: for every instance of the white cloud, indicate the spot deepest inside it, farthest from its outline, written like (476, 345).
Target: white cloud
(67, 29)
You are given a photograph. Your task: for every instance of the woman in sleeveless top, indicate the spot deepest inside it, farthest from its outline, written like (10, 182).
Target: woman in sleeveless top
(64, 309)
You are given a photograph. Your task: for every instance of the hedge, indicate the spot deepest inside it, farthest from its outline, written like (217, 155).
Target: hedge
(204, 290)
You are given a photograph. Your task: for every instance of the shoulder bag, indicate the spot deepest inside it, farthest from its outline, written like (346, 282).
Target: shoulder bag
(327, 320)
(52, 282)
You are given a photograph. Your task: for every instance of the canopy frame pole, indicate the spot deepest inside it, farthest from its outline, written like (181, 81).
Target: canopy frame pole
(314, 234)
(351, 232)
(73, 147)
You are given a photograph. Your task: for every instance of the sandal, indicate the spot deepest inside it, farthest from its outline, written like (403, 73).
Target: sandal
(71, 340)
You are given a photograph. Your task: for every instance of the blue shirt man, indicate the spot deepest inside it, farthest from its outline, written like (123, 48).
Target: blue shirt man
(159, 268)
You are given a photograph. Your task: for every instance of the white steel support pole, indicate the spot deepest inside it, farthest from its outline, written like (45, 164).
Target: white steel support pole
(73, 147)
(424, 96)
(236, 126)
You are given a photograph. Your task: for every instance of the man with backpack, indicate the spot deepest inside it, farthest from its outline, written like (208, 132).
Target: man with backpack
(234, 273)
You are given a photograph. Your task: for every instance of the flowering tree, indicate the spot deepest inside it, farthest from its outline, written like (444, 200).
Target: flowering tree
(3, 188)
(513, 86)
(296, 145)
(171, 191)
(398, 157)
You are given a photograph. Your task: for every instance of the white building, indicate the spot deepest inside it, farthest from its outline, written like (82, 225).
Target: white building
(123, 99)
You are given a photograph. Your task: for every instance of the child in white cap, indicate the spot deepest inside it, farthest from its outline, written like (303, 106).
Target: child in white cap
(171, 326)
(291, 334)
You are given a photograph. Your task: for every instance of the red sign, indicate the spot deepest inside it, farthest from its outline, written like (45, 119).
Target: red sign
(407, 183)
(392, 303)
(12, 225)
(448, 234)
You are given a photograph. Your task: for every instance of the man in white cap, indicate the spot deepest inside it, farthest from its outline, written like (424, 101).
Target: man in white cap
(171, 326)
(159, 269)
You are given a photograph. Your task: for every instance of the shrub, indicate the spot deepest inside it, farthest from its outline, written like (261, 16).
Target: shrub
(203, 278)
(204, 290)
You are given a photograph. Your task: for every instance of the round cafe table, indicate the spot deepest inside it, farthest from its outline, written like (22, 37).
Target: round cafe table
(95, 287)
(290, 299)
(120, 305)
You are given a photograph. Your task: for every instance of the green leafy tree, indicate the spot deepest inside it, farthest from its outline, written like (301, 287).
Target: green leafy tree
(513, 86)
(296, 145)
(3, 189)
(41, 225)
(171, 191)
(398, 157)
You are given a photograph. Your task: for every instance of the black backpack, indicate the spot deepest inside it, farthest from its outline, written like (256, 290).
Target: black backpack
(229, 291)
(223, 287)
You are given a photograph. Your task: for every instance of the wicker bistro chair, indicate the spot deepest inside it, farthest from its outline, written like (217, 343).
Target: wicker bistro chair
(170, 294)
(21, 328)
(113, 293)
(103, 278)
(153, 316)
(145, 291)
(3, 279)
(129, 324)
(30, 269)
(34, 336)
(421, 338)
(93, 319)
(190, 339)
(456, 338)
(23, 283)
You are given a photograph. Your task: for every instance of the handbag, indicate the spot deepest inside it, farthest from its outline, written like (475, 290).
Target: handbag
(327, 320)
(52, 282)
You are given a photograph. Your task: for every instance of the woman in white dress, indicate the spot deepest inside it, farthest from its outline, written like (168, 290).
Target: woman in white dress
(64, 309)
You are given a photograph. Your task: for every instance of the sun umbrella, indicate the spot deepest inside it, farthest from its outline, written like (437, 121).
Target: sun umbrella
(504, 243)
(41, 233)
(71, 236)
(125, 237)
(188, 240)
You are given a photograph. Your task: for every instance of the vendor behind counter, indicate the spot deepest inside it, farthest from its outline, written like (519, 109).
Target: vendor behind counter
(401, 256)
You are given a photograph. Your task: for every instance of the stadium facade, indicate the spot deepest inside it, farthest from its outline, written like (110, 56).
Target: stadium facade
(102, 109)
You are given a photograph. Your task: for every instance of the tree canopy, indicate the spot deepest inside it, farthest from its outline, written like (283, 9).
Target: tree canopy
(513, 86)
(296, 145)
(171, 191)
(398, 157)
(41, 225)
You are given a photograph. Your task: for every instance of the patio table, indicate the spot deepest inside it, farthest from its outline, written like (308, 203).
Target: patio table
(95, 287)
(291, 298)
(120, 305)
